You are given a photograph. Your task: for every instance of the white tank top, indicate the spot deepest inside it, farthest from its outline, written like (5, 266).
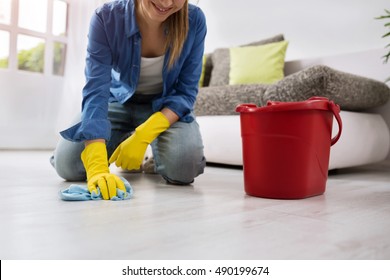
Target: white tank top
(150, 79)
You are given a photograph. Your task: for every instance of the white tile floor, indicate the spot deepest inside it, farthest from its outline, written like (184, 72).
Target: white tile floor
(213, 219)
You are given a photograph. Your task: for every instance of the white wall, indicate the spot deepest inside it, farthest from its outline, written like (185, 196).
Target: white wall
(30, 104)
(313, 27)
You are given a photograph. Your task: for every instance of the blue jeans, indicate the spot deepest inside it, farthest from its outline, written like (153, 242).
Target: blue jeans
(178, 151)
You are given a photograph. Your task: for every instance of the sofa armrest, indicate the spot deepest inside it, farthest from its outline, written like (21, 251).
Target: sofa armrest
(222, 100)
(351, 92)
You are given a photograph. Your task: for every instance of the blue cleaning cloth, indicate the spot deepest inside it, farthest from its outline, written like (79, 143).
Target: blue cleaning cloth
(77, 192)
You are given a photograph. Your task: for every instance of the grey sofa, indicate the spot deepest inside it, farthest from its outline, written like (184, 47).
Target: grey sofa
(356, 94)
(351, 92)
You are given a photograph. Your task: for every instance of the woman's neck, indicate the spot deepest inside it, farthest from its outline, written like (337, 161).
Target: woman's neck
(145, 23)
(152, 32)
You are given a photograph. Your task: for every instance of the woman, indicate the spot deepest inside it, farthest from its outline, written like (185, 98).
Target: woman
(144, 60)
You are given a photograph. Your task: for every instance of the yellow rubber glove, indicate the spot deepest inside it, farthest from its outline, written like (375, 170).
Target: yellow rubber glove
(130, 153)
(94, 158)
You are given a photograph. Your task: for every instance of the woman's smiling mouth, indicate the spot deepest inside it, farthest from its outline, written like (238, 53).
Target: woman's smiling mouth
(161, 10)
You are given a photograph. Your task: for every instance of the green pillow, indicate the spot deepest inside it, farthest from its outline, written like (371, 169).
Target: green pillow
(201, 79)
(257, 64)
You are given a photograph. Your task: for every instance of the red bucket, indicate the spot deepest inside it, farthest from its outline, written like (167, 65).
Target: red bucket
(286, 147)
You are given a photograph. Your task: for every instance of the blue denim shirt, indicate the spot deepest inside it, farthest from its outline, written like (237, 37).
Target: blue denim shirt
(113, 67)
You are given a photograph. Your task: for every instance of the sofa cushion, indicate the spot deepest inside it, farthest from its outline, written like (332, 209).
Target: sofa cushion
(257, 64)
(201, 79)
(351, 92)
(207, 67)
(222, 100)
(221, 61)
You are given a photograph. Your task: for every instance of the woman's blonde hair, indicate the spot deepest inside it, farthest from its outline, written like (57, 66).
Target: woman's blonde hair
(177, 25)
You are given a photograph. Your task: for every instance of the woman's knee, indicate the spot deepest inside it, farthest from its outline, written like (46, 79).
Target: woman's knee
(67, 162)
(178, 153)
(183, 175)
(181, 167)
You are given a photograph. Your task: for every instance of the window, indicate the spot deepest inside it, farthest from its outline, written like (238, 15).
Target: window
(4, 49)
(60, 9)
(33, 15)
(5, 11)
(59, 58)
(33, 35)
(31, 53)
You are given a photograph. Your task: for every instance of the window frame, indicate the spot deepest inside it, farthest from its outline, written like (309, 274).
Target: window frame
(14, 30)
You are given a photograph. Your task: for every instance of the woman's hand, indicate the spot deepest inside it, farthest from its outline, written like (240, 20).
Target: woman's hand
(94, 158)
(130, 153)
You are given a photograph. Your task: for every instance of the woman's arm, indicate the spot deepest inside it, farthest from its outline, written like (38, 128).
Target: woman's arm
(170, 115)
